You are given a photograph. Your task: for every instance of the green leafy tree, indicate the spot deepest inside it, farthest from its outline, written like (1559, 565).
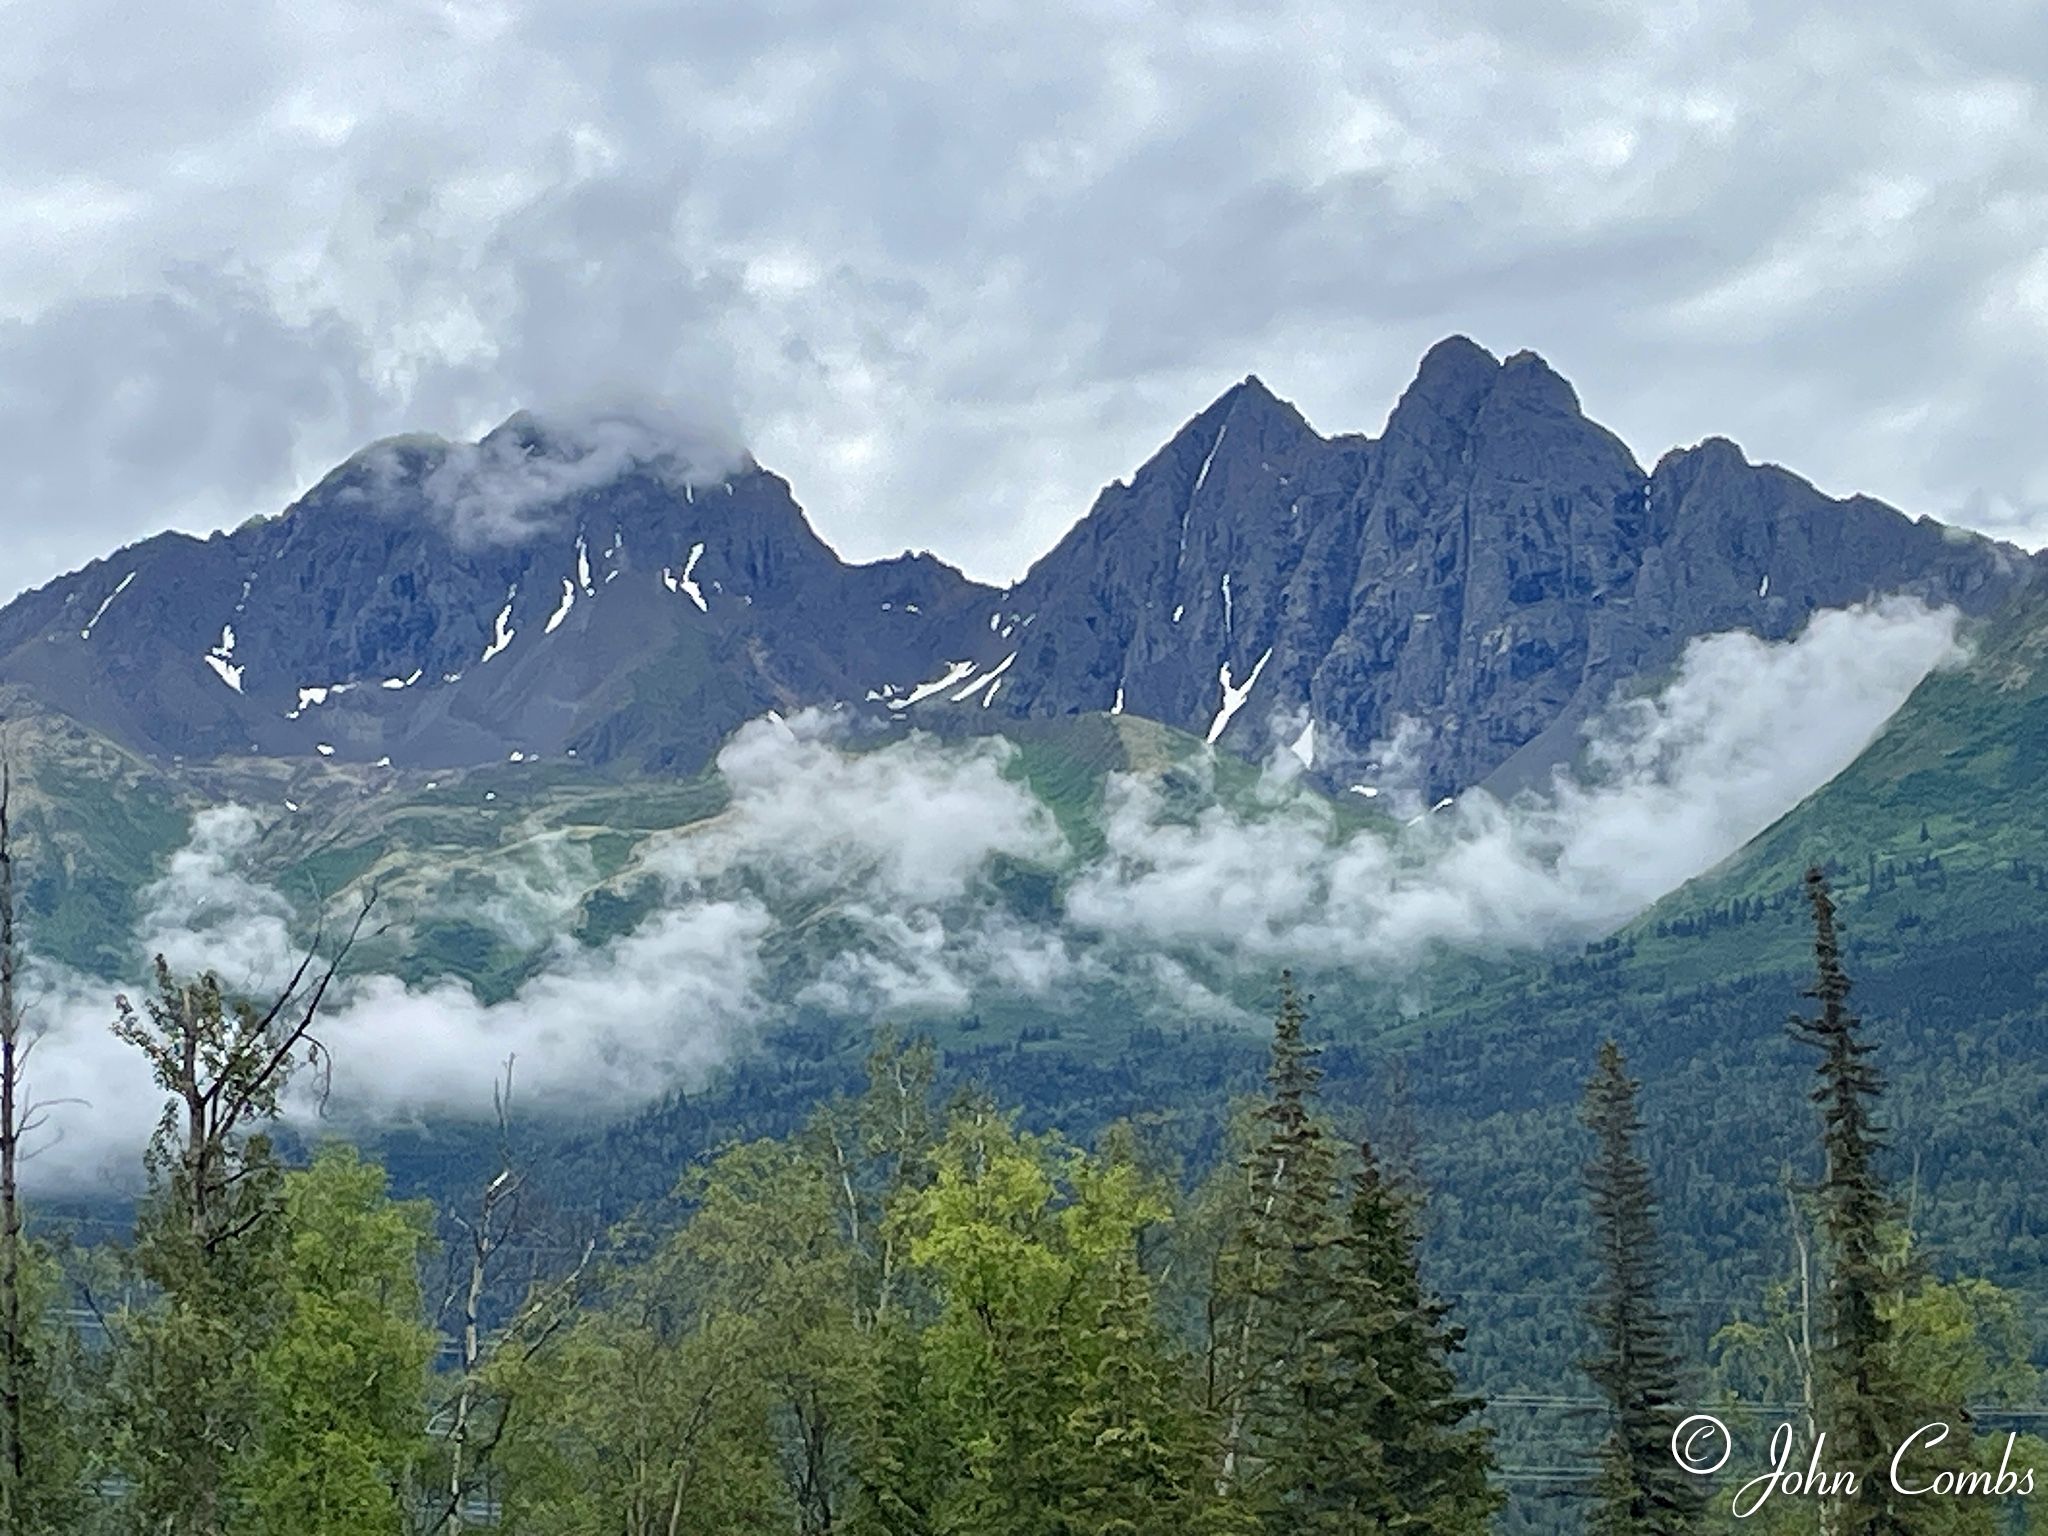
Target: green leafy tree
(340, 1382)
(210, 1239)
(766, 1353)
(1054, 1389)
(647, 1419)
(1640, 1487)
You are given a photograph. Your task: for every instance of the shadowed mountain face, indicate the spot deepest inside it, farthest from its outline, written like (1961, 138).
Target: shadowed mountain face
(444, 612)
(1489, 569)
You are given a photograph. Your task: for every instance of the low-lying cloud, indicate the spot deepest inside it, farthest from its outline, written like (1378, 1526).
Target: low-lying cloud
(511, 485)
(881, 882)
(1671, 784)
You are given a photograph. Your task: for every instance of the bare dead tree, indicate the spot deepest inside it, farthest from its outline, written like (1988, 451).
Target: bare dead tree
(478, 1410)
(226, 1068)
(14, 1123)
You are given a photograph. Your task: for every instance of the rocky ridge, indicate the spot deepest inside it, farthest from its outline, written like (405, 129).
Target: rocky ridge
(1488, 569)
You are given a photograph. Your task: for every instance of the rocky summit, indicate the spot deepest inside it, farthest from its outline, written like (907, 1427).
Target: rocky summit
(1488, 570)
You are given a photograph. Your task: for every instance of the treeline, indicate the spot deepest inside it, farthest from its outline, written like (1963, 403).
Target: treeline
(911, 1317)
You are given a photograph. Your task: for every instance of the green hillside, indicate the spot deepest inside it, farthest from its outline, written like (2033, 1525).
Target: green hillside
(1936, 840)
(1938, 832)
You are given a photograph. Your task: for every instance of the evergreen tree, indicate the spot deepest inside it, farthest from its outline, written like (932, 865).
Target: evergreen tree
(1137, 1440)
(1339, 1411)
(1640, 1488)
(1272, 1286)
(1388, 1433)
(1867, 1406)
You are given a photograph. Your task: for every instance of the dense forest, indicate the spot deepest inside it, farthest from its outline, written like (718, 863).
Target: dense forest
(908, 1310)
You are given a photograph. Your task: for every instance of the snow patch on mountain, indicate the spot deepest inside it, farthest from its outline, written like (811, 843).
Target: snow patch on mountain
(501, 634)
(1234, 697)
(105, 603)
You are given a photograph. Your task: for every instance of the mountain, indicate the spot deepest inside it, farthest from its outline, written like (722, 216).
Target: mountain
(440, 605)
(1490, 567)
(549, 640)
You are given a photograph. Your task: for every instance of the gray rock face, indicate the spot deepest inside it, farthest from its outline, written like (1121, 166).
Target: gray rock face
(640, 619)
(1488, 569)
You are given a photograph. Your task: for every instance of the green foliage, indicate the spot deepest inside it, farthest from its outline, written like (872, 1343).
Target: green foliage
(340, 1379)
(1332, 1387)
(1640, 1488)
(58, 1398)
(1051, 1384)
(650, 1410)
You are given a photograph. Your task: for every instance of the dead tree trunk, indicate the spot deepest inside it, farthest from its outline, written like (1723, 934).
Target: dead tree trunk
(13, 1055)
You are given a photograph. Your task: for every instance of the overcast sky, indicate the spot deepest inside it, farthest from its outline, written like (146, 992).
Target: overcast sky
(951, 266)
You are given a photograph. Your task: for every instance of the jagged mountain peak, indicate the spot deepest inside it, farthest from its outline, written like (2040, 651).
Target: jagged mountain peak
(1488, 570)
(1454, 377)
(628, 585)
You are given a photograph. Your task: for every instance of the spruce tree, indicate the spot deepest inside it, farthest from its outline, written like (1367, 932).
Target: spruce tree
(1867, 1407)
(1343, 1413)
(1640, 1487)
(1271, 1280)
(1393, 1442)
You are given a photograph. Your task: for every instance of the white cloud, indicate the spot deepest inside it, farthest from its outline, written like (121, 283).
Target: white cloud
(860, 878)
(1672, 784)
(912, 822)
(955, 268)
(598, 1030)
(205, 913)
(98, 1104)
(497, 492)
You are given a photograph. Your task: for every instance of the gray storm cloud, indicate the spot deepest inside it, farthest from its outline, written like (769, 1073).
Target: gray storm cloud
(859, 879)
(956, 268)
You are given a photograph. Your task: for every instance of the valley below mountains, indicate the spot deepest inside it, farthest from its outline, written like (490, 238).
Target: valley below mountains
(1502, 742)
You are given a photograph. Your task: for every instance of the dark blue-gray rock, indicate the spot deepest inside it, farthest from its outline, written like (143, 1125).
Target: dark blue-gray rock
(1488, 569)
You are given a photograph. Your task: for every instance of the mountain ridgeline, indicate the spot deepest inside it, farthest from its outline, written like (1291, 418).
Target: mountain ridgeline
(1490, 566)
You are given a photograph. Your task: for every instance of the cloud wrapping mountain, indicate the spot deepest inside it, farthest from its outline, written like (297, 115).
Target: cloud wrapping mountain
(1670, 784)
(512, 484)
(858, 879)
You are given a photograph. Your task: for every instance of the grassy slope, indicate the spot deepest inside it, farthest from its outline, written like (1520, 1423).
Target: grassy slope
(1937, 838)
